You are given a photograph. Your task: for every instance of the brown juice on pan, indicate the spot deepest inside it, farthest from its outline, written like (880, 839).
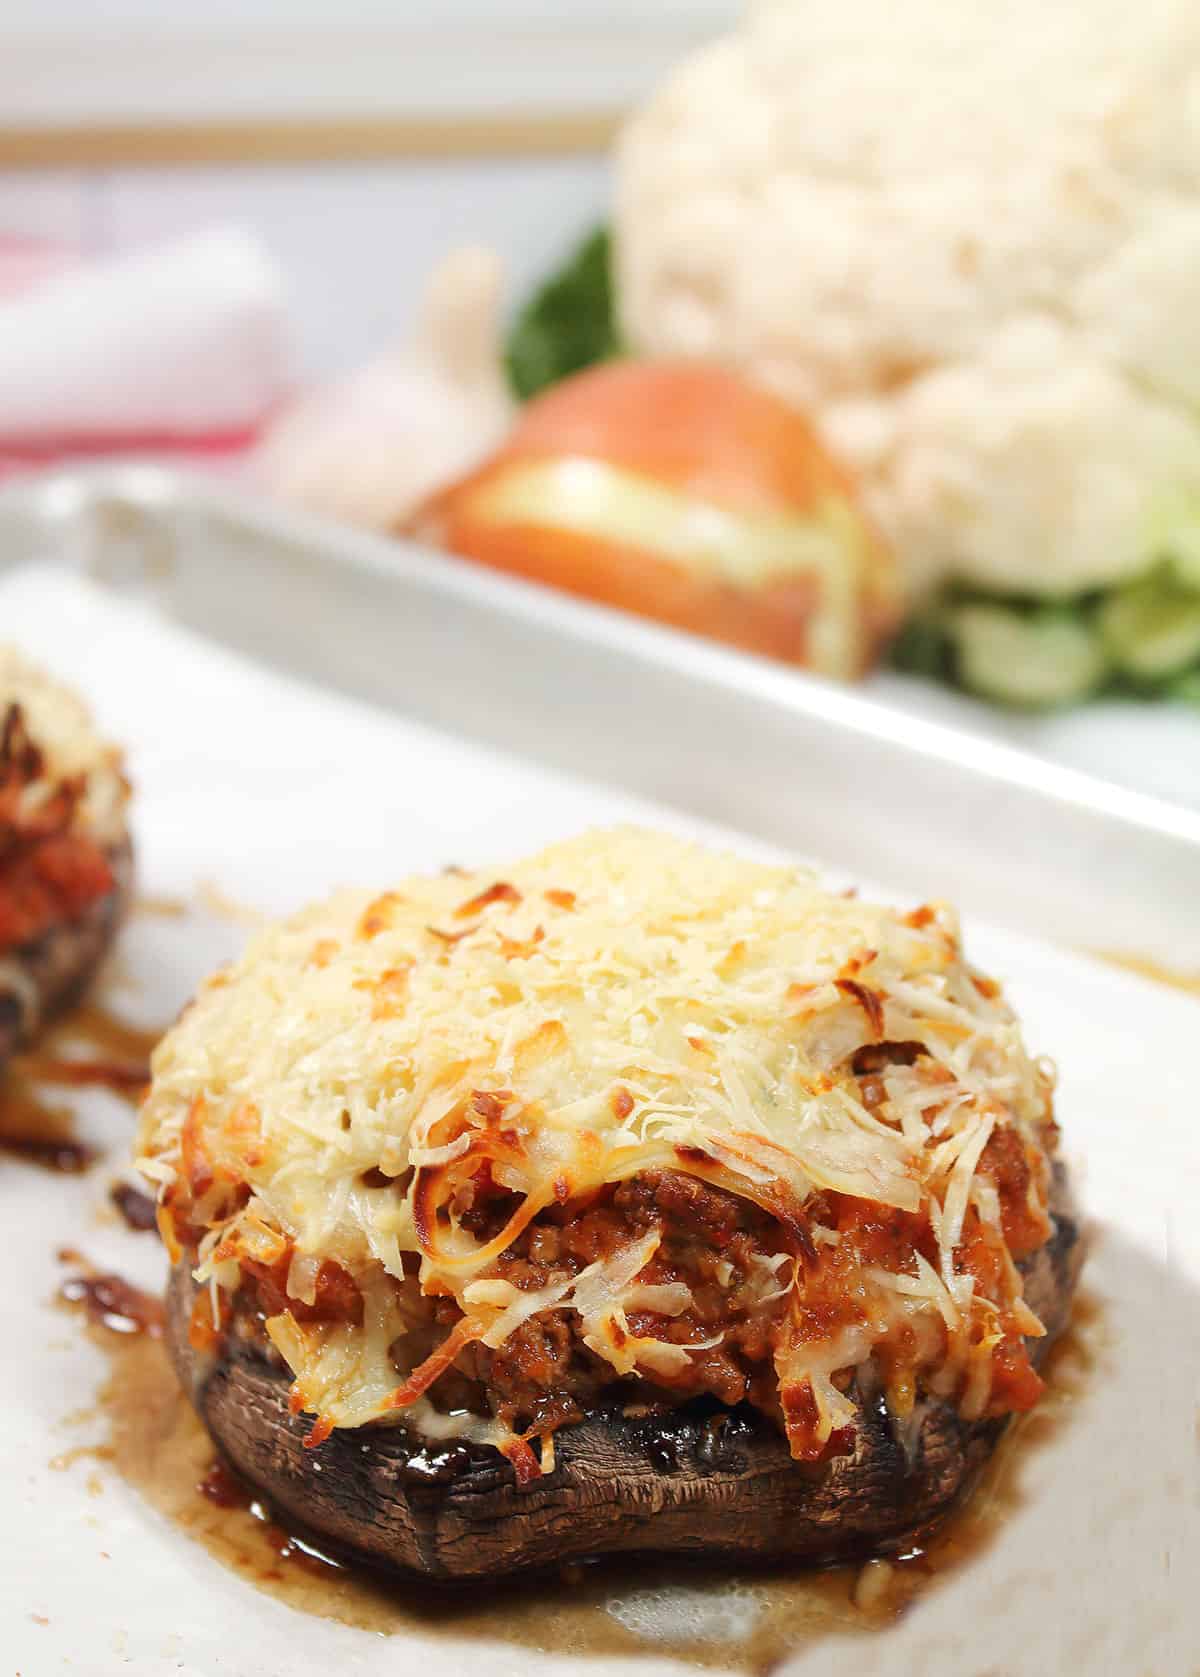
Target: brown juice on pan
(1189, 982)
(160, 908)
(158, 1446)
(90, 1048)
(39, 1130)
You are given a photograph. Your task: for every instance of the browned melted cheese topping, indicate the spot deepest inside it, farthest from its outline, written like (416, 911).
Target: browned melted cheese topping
(628, 1116)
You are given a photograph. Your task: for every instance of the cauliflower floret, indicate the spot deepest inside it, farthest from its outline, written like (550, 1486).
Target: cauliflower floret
(985, 457)
(964, 238)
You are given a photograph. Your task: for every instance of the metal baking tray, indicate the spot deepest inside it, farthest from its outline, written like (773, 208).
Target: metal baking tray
(818, 769)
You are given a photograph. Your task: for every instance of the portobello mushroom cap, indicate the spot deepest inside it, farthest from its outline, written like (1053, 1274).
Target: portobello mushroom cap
(697, 1480)
(61, 786)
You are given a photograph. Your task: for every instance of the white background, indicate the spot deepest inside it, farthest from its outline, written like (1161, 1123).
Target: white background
(356, 240)
(121, 59)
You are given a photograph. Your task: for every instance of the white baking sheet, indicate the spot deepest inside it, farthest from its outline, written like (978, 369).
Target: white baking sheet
(1147, 746)
(276, 792)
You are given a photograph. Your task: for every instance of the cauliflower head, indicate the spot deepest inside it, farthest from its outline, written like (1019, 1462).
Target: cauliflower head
(967, 239)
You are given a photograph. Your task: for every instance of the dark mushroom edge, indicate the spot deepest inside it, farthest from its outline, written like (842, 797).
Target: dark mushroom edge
(60, 963)
(699, 1480)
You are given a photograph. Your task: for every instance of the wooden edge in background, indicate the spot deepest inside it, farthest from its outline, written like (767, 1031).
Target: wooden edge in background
(145, 145)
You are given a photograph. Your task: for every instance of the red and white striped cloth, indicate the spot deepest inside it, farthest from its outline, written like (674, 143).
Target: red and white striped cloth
(177, 350)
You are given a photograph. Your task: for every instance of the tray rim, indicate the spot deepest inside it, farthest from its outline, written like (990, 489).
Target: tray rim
(50, 505)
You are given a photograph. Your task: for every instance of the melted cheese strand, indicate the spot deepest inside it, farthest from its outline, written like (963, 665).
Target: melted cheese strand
(60, 725)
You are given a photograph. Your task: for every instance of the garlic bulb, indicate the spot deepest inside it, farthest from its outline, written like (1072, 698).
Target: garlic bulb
(370, 447)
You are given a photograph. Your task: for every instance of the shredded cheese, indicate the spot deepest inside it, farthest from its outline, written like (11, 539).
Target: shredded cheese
(60, 725)
(620, 1002)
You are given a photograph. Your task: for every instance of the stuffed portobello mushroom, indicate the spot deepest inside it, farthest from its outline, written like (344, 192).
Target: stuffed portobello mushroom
(633, 1196)
(65, 859)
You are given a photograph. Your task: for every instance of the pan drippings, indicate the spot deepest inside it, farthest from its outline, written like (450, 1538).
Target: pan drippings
(708, 1616)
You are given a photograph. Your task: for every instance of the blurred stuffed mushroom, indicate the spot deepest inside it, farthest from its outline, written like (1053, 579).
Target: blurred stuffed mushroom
(65, 856)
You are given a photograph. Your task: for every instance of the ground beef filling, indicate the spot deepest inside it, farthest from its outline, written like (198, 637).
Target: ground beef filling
(711, 1241)
(544, 1376)
(731, 1256)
